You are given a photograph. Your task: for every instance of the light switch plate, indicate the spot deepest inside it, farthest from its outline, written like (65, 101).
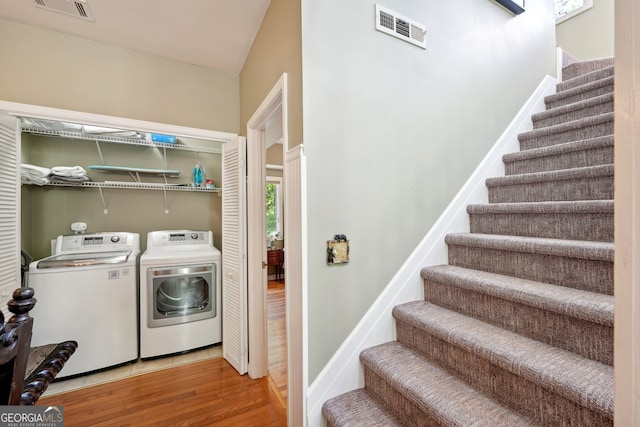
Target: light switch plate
(337, 251)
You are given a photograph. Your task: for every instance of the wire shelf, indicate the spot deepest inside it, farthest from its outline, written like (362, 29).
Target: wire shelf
(119, 140)
(136, 186)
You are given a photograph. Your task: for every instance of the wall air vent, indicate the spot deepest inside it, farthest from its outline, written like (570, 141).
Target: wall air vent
(391, 23)
(77, 9)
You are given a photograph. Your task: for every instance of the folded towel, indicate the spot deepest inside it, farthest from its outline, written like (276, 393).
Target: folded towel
(79, 179)
(68, 171)
(35, 171)
(34, 181)
(36, 175)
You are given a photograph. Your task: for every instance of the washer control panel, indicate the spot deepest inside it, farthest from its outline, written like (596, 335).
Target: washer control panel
(98, 242)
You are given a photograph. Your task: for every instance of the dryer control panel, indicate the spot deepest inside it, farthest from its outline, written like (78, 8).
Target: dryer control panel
(179, 238)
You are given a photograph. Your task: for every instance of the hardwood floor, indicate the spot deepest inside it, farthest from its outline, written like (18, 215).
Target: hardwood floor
(277, 336)
(206, 393)
(201, 393)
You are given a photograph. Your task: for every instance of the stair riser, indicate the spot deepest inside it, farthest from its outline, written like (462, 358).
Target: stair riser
(585, 79)
(547, 407)
(555, 102)
(591, 111)
(569, 226)
(588, 339)
(586, 132)
(599, 188)
(403, 408)
(574, 159)
(576, 273)
(580, 68)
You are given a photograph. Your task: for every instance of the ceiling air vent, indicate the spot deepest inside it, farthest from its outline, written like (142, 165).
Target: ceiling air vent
(77, 9)
(396, 25)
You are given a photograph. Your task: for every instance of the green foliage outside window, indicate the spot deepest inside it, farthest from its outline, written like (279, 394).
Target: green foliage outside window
(271, 200)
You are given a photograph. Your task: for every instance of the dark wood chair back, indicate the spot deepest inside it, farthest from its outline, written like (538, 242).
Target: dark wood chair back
(15, 340)
(17, 356)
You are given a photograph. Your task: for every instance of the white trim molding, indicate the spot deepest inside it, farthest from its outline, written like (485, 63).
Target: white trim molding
(48, 113)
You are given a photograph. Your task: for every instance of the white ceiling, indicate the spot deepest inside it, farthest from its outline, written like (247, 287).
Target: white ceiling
(216, 34)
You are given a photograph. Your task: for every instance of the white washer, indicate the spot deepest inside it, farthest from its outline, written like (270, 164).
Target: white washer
(87, 291)
(180, 291)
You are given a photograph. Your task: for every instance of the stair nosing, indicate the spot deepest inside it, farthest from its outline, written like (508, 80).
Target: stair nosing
(585, 305)
(573, 107)
(515, 353)
(558, 149)
(373, 404)
(555, 175)
(570, 82)
(551, 207)
(580, 249)
(432, 403)
(568, 126)
(567, 93)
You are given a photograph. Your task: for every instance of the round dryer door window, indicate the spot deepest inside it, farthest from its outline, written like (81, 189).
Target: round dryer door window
(181, 294)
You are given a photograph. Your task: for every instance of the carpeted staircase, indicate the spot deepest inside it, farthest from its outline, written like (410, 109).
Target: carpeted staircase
(517, 329)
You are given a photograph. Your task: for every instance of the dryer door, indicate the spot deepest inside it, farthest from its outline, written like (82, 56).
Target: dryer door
(181, 294)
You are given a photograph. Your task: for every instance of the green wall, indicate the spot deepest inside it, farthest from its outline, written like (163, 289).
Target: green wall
(392, 132)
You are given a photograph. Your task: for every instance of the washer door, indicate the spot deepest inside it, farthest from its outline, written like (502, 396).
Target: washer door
(181, 294)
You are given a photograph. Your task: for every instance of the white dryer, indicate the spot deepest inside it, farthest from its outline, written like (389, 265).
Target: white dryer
(180, 292)
(87, 291)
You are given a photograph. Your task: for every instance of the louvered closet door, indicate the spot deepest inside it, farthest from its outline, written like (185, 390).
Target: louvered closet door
(9, 205)
(234, 275)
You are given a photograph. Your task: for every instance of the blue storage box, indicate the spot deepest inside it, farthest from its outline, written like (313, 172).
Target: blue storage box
(168, 139)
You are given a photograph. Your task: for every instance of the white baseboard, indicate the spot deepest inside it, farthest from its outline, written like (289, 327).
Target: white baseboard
(344, 371)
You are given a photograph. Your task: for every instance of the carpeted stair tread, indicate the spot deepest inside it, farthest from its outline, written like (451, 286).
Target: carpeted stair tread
(575, 320)
(357, 408)
(559, 175)
(574, 377)
(589, 306)
(573, 220)
(436, 392)
(595, 251)
(588, 183)
(577, 264)
(578, 93)
(585, 78)
(589, 107)
(589, 127)
(584, 67)
(579, 153)
(561, 207)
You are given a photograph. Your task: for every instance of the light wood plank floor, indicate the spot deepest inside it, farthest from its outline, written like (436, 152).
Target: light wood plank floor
(206, 393)
(277, 336)
(197, 388)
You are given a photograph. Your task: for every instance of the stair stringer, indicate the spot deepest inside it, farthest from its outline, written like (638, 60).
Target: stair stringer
(344, 371)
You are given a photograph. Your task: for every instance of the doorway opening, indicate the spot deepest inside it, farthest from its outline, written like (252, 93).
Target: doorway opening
(276, 309)
(266, 148)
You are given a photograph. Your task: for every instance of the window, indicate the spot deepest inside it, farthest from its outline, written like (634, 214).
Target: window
(273, 200)
(566, 9)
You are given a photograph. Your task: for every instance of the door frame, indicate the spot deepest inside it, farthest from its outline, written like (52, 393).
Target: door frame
(274, 103)
(626, 215)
